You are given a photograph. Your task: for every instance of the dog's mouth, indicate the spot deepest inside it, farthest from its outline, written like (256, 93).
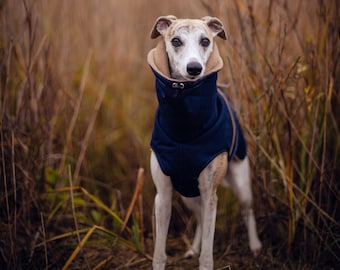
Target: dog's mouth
(192, 78)
(186, 77)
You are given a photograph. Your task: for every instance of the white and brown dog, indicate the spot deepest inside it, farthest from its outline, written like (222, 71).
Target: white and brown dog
(197, 142)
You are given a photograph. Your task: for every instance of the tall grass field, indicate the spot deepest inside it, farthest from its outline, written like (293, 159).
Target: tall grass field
(77, 104)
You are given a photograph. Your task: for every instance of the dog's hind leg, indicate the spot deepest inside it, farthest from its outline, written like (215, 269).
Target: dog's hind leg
(163, 201)
(209, 180)
(239, 179)
(194, 204)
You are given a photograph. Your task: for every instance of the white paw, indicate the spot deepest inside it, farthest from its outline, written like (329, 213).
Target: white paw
(207, 265)
(158, 266)
(190, 253)
(255, 247)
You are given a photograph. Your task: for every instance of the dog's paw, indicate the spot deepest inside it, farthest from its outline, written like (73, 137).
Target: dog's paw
(256, 247)
(158, 265)
(190, 254)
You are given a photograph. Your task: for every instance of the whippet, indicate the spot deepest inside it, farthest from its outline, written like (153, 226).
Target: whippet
(197, 142)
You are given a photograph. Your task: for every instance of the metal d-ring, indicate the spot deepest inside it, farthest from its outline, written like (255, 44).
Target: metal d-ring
(177, 85)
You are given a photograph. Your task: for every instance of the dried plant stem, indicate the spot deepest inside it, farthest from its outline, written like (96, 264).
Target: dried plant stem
(75, 113)
(8, 209)
(141, 218)
(72, 204)
(88, 134)
(80, 245)
(15, 203)
(138, 191)
(44, 239)
(79, 248)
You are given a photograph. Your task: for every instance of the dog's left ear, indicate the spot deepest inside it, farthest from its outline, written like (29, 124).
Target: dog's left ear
(216, 26)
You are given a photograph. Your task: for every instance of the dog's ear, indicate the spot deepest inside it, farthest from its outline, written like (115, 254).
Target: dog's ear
(216, 26)
(161, 25)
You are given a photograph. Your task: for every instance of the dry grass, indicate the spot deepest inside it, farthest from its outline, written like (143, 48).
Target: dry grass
(76, 109)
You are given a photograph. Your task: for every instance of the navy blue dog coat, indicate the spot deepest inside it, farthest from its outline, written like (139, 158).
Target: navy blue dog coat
(194, 123)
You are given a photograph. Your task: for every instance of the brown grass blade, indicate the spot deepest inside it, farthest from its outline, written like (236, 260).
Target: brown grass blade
(138, 190)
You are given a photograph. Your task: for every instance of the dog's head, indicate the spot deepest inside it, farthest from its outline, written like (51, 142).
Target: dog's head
(189, 43)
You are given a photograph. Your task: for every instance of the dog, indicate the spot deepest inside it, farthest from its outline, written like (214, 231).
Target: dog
(197, 143)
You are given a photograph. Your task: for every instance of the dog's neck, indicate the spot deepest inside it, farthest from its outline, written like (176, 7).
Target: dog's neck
(187, 108)
(204, 86)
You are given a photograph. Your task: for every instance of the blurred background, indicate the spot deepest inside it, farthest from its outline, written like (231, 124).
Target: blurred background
(77, 104)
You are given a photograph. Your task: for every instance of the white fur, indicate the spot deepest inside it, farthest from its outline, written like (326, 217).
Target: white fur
(237, 176)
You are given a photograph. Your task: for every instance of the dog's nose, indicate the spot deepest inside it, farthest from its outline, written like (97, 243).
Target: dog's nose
(194, 68)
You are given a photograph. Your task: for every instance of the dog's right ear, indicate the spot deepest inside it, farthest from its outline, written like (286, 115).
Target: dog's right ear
(161, 25)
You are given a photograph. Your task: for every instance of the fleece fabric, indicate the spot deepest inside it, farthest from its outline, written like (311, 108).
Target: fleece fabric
(194, 123)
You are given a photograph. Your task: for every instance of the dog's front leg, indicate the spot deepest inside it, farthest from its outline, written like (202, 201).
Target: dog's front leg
(163, 201)
(209, 180)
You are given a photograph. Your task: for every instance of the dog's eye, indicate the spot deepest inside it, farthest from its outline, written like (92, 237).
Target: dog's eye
(176, 42)
(205, 42)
